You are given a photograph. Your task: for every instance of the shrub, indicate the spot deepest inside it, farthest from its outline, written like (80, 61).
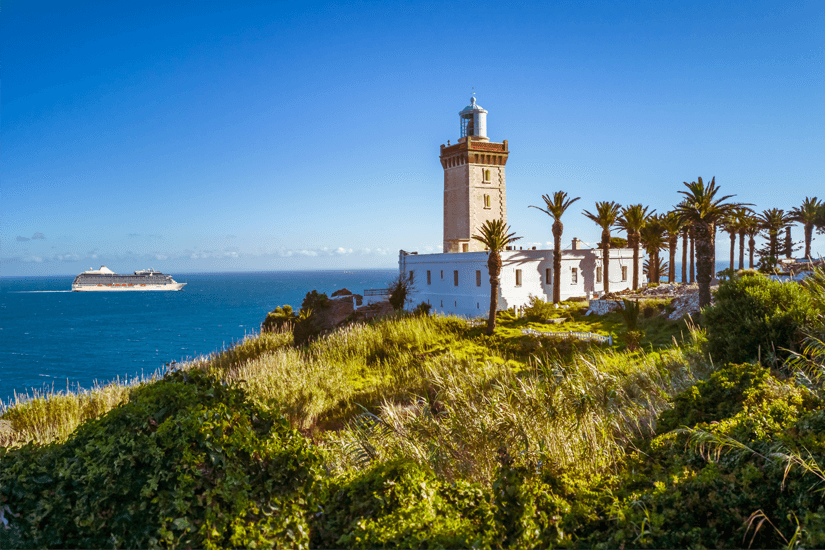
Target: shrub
(755, 315)
(719, 397)
(400, 504)
(187, 462)
(539, 310)
(423, 309)
(401, 290)
(278, 319)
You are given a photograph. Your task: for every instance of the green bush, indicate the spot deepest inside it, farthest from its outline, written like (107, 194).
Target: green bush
(719, 397)
(400, 504)
(538, 310)
(187, 462)
(753, 315)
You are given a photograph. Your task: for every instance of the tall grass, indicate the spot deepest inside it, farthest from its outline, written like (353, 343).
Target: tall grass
(357, 362)
(576, 416)
(50, 416)
(423, 399)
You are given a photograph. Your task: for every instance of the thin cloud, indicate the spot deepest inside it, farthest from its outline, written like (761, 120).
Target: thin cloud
(22, 239)
(39, 236)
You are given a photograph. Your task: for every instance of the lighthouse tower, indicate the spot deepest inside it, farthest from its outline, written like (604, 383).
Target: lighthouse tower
(474, 189)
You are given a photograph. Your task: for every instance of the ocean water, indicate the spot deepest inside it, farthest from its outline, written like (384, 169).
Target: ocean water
(54, 339)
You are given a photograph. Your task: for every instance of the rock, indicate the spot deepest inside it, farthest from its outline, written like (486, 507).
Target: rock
(342, 292)
(376, 309)
(336, 314)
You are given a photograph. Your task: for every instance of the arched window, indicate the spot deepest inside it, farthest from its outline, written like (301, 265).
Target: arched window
(486, 201)
(486, 175)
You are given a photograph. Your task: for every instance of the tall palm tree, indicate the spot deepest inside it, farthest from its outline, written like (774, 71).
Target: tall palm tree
(632, 220)
(606, 216)
(692, 253)
(751, 225)
(672, 223)
(654, 240)
(494, 236)
(806, 215)
(730, 225)
(703, 209)
(743, 220)
(555, 209)
(773, 221)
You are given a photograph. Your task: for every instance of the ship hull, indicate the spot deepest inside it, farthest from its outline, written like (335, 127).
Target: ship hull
(126, 288)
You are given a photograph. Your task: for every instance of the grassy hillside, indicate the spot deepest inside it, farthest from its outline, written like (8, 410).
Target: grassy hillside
(423, 431)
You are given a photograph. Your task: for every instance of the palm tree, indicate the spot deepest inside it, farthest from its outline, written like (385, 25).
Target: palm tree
(672, 223)
(743, 220)
(806, 215)
(494, 236)
(692, 253)
(703, 210)
(730, 225)
(607, 214)
(555, 209)
(751, 226)
(654, 240)
(773, 221)
(632, 220)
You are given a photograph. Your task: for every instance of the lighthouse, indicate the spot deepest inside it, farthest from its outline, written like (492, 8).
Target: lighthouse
(474, 182)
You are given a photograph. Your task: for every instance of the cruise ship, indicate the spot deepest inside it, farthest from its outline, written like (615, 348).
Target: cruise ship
(106, 279)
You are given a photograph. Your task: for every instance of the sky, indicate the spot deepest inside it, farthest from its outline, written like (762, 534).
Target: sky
(249, 136)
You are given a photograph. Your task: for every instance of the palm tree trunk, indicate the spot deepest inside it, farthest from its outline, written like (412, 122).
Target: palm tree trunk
(704, 261)
(633, 239)
(751, 249)
(672, 244)
(732, 248)
(653, 266)
(788, 242)
(557, 231)
(692, 255)
(606, 259)
(684, 255)
(809, 229)
(741, 249)
(494, 268)
(712, 230)
(774, 244)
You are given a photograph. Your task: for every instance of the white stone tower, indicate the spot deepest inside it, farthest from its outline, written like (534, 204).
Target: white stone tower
(474, 189)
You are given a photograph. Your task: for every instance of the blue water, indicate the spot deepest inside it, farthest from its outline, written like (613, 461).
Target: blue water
(52, 338)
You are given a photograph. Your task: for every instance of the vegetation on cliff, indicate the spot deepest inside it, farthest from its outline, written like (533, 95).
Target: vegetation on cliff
(416, 431)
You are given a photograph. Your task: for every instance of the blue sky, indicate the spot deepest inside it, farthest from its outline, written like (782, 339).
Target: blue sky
(206, 136)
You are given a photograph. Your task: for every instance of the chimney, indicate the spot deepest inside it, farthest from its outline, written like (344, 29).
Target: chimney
(576, 244)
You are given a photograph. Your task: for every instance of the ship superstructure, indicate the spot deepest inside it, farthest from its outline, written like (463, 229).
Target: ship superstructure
(104, 279)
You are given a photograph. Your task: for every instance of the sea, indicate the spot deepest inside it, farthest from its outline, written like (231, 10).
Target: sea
(56, 340)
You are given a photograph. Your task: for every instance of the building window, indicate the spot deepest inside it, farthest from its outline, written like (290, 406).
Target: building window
(442, 274)
(465, 247)
(412, 275)
(574, 279)
(486, 201)
(455, 278)
(548, 279)
(486, 175)
(478, 278)
(518, 277)
(624, 273)
(598, 274)
(442, 303)
(429, 278)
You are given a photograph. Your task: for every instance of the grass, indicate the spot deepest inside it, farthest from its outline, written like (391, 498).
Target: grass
(443, 393)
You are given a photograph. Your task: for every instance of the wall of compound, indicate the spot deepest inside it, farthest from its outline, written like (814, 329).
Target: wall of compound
(460, 284)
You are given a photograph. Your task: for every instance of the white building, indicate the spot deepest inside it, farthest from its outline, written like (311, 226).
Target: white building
(457, 281)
